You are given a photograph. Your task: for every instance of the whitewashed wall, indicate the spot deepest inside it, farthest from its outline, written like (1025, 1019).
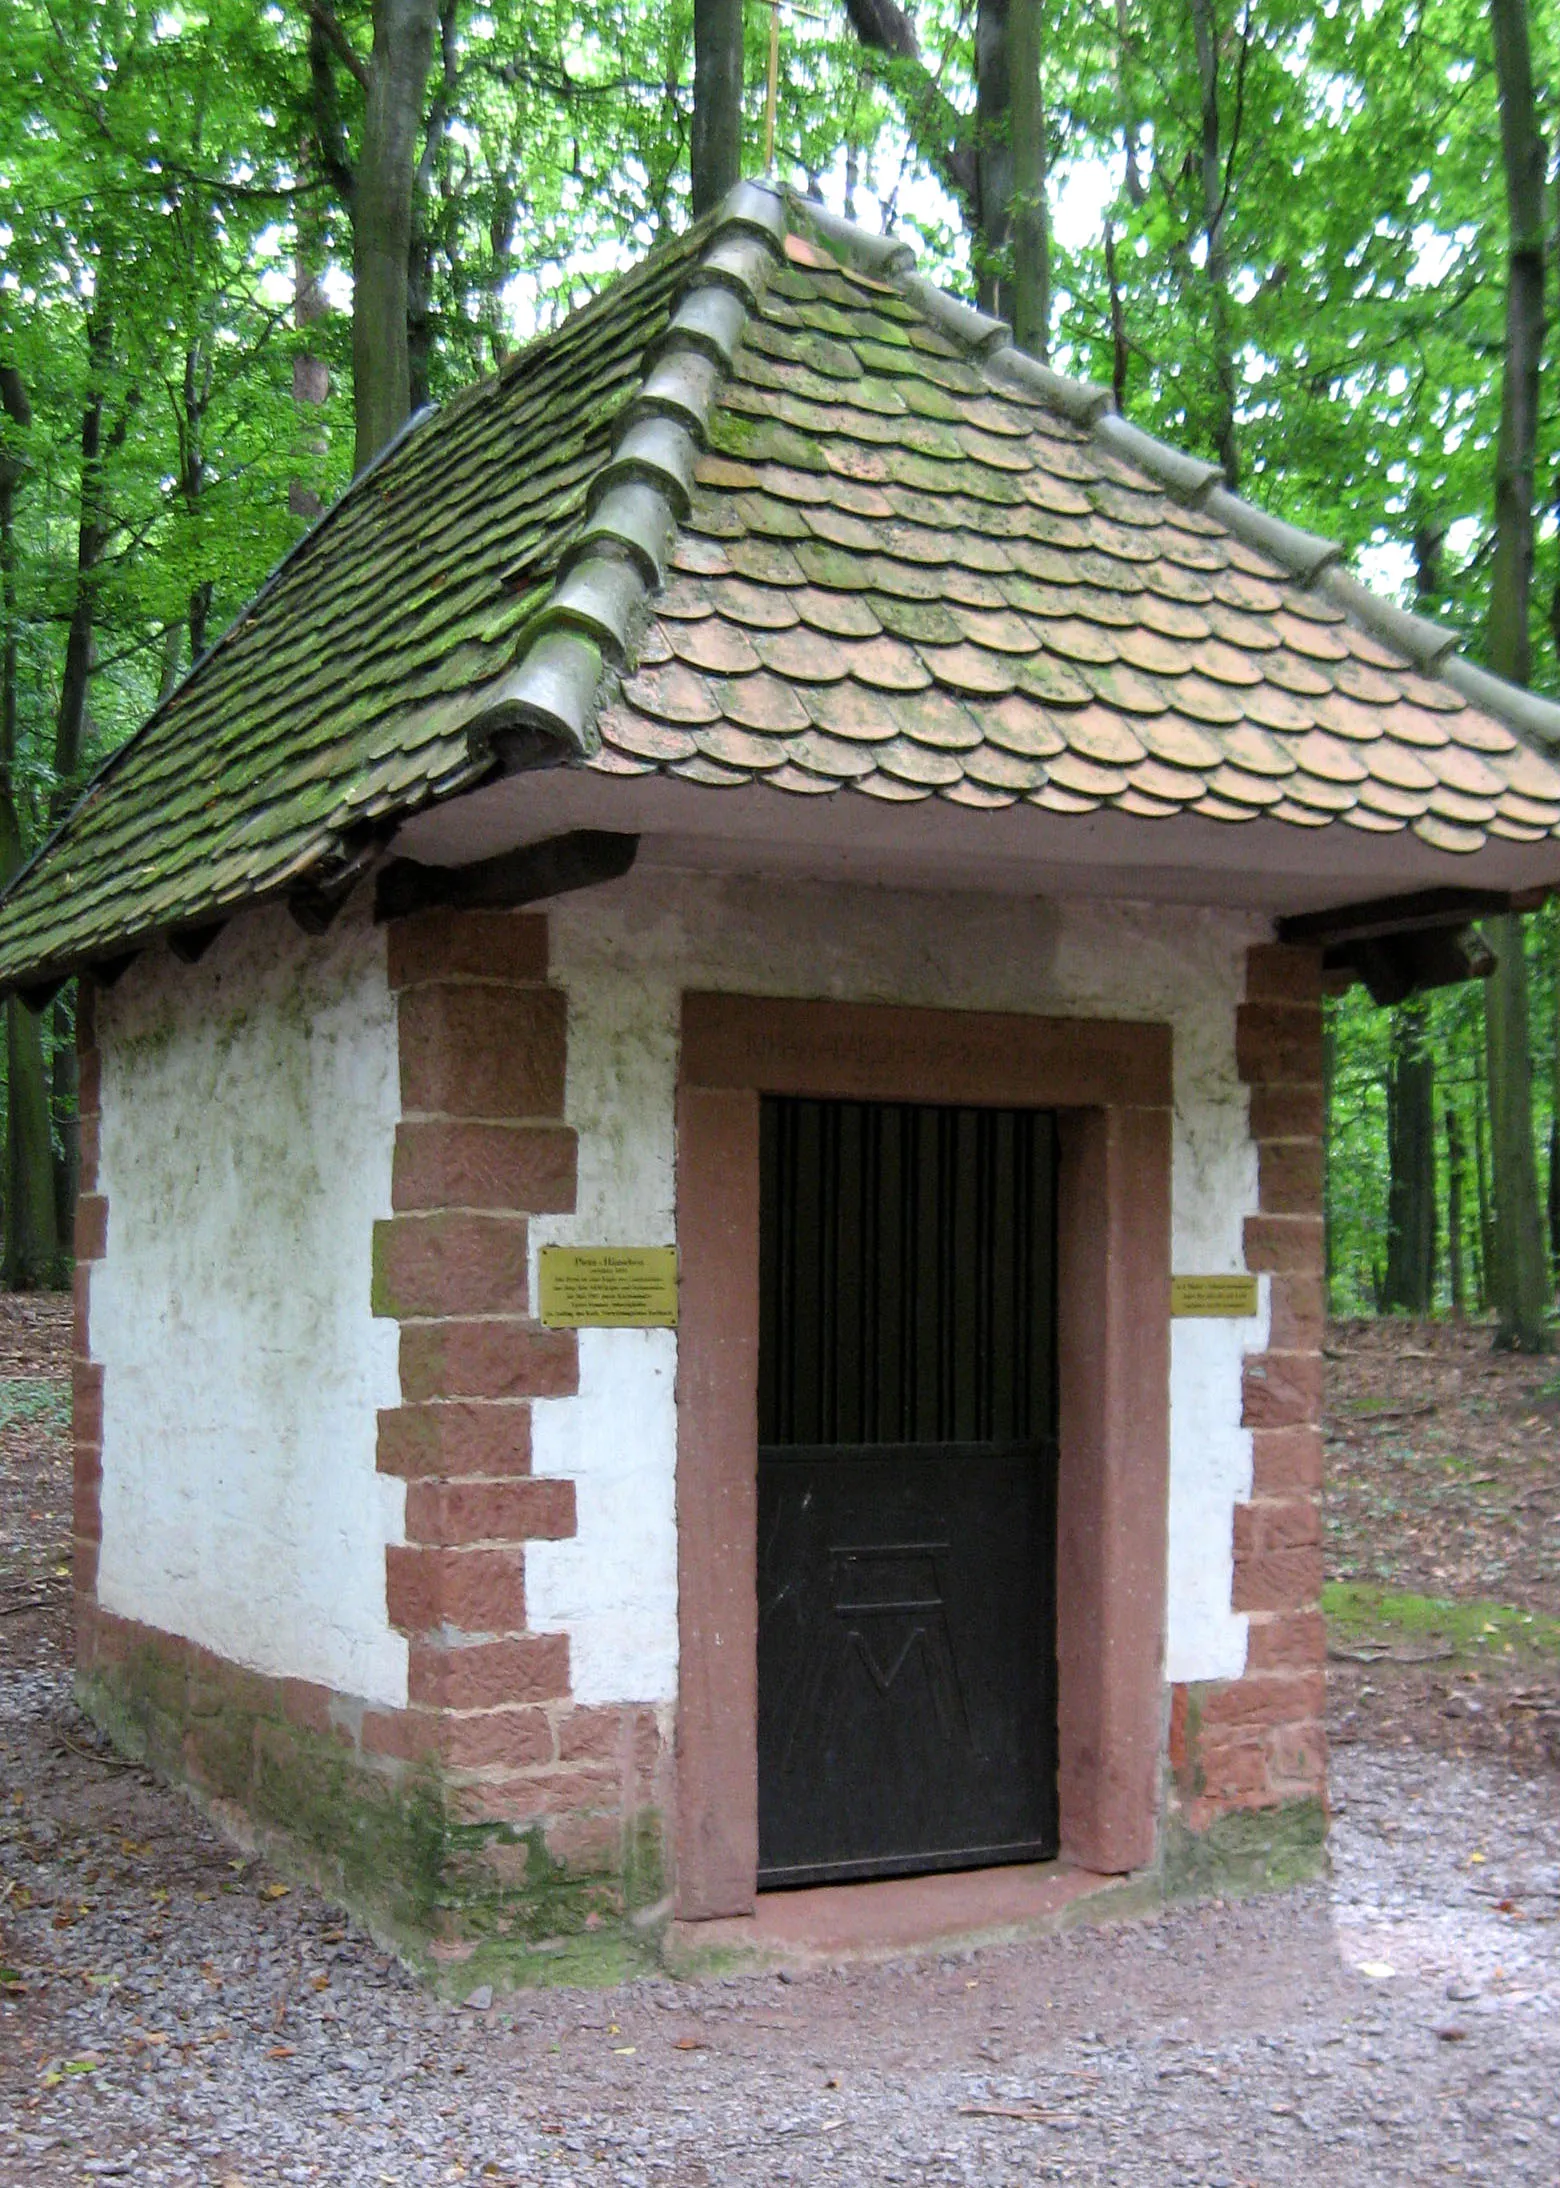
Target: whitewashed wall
(625, 954)
(249, 1107)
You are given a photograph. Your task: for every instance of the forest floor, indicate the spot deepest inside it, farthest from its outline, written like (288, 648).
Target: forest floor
(1443, 1541)
(173, 2011)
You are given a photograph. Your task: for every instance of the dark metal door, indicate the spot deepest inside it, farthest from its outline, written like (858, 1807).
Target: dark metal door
(906, 1489)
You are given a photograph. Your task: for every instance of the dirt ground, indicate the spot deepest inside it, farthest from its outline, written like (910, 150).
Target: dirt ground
(1443, 1469)
(171, 2011)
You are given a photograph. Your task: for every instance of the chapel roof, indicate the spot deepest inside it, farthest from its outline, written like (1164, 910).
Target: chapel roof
(774, 510)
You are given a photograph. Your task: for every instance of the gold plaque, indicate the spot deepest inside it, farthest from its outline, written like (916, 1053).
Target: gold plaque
(609, 1287)
(1229, 1298)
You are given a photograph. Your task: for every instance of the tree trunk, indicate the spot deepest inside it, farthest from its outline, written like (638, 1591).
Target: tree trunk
(31, 1249)
(1519, 1285)
(1215, 216)
(1554, 1116)
(70, 717)
(1031, 240)
(1456, 1167)
(382, 221)
(717, 101)
(1409, 1283)
(1329, 1081)
(1131, 114)
(993, 154)
(1481, 1176)
(1519, 1281)
(65, 1093)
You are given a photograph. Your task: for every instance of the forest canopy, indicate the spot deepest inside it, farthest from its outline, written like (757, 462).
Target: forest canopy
(1314, 243)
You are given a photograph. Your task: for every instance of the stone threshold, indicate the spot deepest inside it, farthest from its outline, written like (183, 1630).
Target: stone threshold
(897, 1916)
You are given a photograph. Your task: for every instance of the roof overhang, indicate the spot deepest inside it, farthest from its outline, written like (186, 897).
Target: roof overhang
(1263, 866)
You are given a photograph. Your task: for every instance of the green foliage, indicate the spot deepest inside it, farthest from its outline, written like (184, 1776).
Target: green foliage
(1316, 293)
(1357, 1171)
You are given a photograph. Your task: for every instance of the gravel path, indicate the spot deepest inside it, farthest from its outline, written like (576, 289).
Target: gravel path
(186, 2018)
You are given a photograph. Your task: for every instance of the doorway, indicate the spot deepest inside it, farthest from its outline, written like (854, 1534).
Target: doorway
(907, 1476)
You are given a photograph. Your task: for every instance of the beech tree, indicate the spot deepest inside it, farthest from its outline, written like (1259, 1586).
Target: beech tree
(241, 243)
(715, 157)
(1519, 1282)
(1408, 1282)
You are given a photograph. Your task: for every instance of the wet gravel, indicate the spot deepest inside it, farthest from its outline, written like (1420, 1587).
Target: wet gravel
(178, 2014)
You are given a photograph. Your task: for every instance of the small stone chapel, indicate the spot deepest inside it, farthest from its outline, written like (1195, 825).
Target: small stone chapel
(699, 1285)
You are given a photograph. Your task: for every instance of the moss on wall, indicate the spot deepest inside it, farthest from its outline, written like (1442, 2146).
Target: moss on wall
(460, 1900)
(1246, 1850)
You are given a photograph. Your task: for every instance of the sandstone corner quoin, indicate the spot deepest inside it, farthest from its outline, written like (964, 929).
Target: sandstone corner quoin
(773, 774)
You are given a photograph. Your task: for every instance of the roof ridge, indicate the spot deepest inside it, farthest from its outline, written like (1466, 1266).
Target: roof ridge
(543, 710)
(1313, 561)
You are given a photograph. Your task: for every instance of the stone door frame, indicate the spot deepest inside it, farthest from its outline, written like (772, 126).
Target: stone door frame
(1110, 1083)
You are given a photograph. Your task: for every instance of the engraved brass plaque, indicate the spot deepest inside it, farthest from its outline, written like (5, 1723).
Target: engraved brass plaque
(609, 1287)
(1226, 1298)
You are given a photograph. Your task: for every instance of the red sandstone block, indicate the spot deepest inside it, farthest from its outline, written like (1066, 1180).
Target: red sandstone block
(1285, 1459)
(81, 1312)
(86, 1519)
(463, 1436)
(1266, 1698)
(453, 1512)
(84, 1624)
(305, 1704)
(1277, 972)
(444, 1263)
(1298, 1317)
(87, 1464)
(90, 1133)
(87, 1401)
(529, 1168)
(553, 1793)
(1286, 1112)
(1290, 1177)
(1278, 1580)
(86, 1012)
(586, 1845)
(401, 1735)
(91, 1227)
(1279, 1042)
(1234, 1767)
(649, 1748)
(498, 1359)
(596, 1735)
(1282, 1389)
(484, 1052)
(1286, 1641)
(475, 1591)
(84, 1566)
(446, 945)
(1297, 1760)
(1284, 1245)
(1292, 1523)
(1179, 1750)
(89, 1086)
(530, 1667)
(501, 1739)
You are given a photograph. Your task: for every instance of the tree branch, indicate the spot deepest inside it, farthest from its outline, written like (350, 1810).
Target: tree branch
(943, 136)
(324, 19)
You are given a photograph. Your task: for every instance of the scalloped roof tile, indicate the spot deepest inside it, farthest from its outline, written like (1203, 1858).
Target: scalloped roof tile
(774, 510)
